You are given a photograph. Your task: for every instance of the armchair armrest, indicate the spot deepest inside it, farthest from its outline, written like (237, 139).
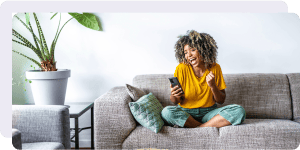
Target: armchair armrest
(42, 123)
(16, 139)
(113, 119)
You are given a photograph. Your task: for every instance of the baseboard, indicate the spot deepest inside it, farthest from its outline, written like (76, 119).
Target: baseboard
(82, 144)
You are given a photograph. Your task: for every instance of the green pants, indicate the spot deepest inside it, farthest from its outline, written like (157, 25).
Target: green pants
(176, 115)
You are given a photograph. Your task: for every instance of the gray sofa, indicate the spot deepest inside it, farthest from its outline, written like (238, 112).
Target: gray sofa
(271, 101)
(40, 127)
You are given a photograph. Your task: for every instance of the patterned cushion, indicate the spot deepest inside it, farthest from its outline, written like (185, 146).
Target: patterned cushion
(147, 112)
(134, 92)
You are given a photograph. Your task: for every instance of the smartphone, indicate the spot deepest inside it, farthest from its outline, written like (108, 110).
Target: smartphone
(174, 81)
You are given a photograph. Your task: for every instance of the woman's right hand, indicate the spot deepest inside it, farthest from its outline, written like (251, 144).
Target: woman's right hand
(177, 95)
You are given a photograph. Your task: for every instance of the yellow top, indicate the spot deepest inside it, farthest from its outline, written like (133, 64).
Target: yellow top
(196, 90)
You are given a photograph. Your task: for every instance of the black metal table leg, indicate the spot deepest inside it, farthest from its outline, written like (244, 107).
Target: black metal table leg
(76, 134)
(76, 110)
(92, 128)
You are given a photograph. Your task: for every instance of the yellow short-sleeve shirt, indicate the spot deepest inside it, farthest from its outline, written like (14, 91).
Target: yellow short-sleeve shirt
(197, 92)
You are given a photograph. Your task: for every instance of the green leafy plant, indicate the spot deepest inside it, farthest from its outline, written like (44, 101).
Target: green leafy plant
(25, 79)
(46, 56)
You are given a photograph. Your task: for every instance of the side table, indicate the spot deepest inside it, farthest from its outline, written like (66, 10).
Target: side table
(76, 109)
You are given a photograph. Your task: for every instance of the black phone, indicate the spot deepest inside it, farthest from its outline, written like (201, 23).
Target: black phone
(174, 81)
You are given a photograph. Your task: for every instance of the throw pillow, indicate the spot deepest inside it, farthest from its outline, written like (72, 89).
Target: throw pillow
(134, 92)
(147, 112)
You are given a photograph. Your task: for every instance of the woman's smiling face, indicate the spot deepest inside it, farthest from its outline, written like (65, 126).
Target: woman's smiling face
(192, 55)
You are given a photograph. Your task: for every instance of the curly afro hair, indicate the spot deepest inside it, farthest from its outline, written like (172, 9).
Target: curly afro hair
(203, 42)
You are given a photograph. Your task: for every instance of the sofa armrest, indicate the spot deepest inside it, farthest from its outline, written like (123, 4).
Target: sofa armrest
(113, 119)
(42, 123)
(16, 139)
(294, 80)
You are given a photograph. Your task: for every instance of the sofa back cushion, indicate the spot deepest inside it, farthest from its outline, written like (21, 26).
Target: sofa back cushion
(262, 95)
(157, 84)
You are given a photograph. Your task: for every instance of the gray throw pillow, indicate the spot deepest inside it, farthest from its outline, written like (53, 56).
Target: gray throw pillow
(134, 92)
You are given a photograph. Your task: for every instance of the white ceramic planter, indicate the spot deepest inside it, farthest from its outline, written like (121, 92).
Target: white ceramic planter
(49, 87)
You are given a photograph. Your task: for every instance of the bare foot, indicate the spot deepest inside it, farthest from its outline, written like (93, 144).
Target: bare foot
(191, 123)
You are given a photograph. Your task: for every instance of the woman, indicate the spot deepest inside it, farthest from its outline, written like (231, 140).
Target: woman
(202, 81)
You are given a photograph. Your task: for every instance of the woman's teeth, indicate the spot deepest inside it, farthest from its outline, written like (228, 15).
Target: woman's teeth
(193, 61)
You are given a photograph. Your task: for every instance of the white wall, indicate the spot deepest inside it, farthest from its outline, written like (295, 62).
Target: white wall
(143, 43)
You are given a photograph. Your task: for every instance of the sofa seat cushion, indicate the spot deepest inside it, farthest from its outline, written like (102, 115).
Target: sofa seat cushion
(172, 138)
(43, 145)
(251, 134)
(261, 134)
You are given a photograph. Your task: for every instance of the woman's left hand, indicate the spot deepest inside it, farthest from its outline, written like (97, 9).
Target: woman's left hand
(210, 79)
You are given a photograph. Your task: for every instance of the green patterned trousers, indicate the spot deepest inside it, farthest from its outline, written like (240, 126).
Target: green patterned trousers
(176, 115)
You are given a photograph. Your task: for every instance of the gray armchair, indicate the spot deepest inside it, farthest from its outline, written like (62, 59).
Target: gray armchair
(40, 127)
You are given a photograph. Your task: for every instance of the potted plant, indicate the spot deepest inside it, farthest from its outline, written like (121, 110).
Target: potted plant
(49, 84)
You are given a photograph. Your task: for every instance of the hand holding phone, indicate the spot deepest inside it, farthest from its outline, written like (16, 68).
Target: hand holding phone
(177, 94)
(176, 88)
(176, 91)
